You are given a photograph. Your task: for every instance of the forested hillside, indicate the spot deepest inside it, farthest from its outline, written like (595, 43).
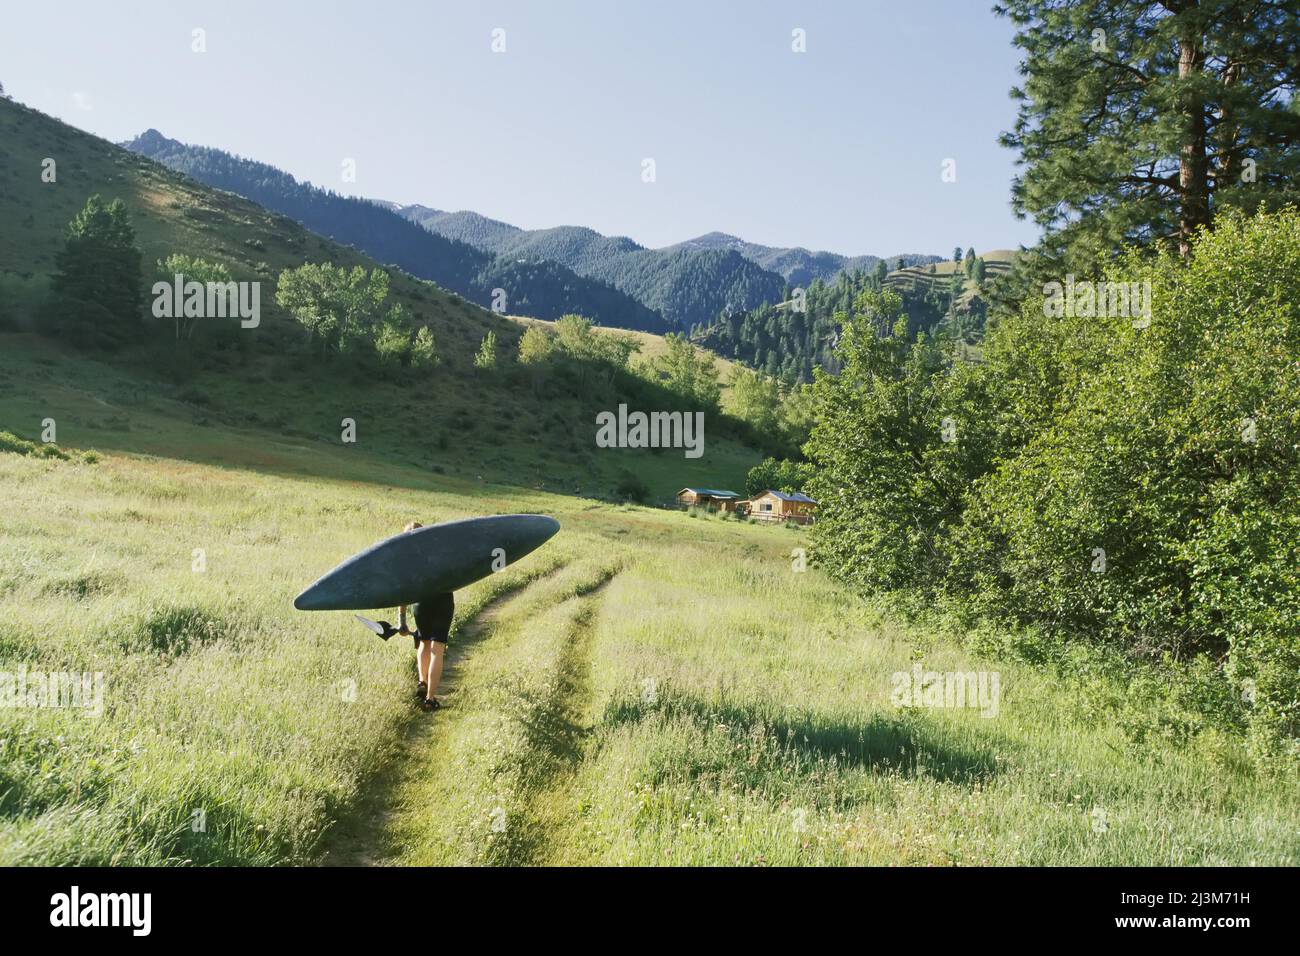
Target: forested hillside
(798, 266)
(788, 339)
(541, 289)
(686, 286)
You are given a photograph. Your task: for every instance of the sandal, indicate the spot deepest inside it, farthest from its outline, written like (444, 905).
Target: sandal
(431, 703)
(421, 690)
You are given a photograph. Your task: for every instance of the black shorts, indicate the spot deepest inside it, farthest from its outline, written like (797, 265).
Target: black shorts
(433, 618)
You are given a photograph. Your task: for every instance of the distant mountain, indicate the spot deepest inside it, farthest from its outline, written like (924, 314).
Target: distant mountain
(687, 286)
(797, 265)
(536, 288)
(470, 227)
(544, 273)
(691, 283)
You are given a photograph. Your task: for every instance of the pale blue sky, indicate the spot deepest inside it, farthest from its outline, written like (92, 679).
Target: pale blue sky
(837, 148)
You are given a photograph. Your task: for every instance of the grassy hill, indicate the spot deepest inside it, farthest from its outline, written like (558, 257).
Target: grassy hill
(458, 419)
(651, 347)
(922, 277)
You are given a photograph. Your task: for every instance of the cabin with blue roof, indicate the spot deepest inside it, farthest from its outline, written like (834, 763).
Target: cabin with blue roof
(714, 499)
(778, 506)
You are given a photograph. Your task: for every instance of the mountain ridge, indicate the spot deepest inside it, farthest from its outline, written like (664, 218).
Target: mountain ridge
(543, 273)
(539, 289)
(688, 287)
(798, 265)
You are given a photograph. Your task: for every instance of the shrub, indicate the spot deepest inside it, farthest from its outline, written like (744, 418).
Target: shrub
(486, 357)
(777, 475)
(21, 446)
(631, 488)
(889, 484)
(424, 350)
(1109, 480)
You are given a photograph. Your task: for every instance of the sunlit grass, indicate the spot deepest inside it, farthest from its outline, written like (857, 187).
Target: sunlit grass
(650, 688)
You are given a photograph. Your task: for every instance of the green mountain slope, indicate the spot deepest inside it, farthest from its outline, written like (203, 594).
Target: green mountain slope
(469, 227)
(544, 290)
(783, 341)
(798, 266)
(508, 425)
(688, 287)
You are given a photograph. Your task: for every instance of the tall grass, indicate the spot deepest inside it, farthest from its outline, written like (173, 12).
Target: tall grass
(645, 689)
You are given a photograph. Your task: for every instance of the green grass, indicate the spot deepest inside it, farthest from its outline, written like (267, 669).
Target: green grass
(921, 279)
(282, 423)
(650, 689)
(652, 346)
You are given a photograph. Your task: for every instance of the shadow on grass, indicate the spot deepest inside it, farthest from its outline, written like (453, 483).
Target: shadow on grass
(762, 741)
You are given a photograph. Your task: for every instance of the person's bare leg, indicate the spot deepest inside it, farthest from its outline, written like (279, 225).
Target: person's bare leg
(423, 659)
(435, 671)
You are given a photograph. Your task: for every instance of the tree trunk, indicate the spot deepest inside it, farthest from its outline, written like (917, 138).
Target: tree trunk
(1193, 178)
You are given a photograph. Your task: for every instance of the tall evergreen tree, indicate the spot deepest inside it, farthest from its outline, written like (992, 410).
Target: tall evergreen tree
(97, 283)
(1138, 119)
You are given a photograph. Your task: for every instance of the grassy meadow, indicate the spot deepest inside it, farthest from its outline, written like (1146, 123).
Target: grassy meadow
(650, 687)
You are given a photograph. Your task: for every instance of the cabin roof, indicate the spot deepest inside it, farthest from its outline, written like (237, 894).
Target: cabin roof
(797, 496)
(711, 492)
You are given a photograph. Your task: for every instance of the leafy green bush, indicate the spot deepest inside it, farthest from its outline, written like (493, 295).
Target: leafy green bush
(12, 443)
(1107, 478)
(1174, 455)
(392, 344)
(424, 350)
(631, 488)
(898, 441)
(777, 475)
(486, 356)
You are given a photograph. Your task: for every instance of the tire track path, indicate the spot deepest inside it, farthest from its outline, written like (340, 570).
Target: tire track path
(358, 838)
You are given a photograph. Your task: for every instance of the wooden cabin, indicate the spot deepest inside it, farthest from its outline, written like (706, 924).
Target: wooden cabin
(778, 506)
(713, 499)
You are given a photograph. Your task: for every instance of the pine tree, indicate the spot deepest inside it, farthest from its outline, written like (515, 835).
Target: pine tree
(97, 283)
(1140, 120)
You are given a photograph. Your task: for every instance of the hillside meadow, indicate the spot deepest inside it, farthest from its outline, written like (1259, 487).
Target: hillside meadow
(529, 427)
(650, 687)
